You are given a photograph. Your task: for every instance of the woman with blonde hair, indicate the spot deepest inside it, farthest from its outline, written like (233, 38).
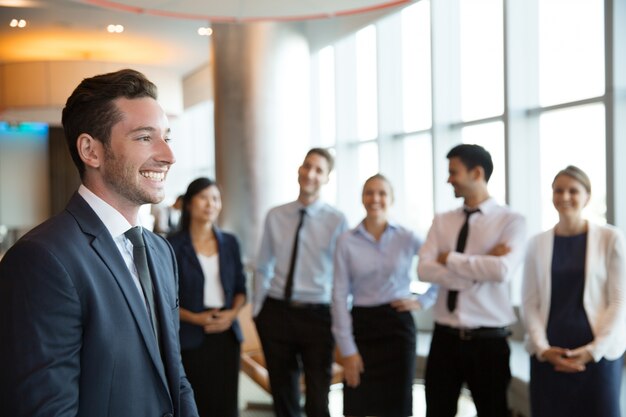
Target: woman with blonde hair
(376, 337)
(574, 308)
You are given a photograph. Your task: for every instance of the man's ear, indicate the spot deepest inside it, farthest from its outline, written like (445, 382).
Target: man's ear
(90, 150)
(477, 173)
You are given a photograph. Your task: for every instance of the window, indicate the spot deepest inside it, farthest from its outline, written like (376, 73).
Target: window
(574, 136)
(571, 50)
(326, 68)
(367, 100)
(416, 89)
(482, 82)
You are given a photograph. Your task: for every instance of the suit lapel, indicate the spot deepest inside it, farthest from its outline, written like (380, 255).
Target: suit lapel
(189, 252)
(104, 245)
(162, 274)
(221, 251)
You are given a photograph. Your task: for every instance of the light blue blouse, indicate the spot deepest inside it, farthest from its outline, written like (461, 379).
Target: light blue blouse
(372, 273)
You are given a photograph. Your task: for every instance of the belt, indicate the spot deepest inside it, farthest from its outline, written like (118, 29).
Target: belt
(298, 304)
(475, 333)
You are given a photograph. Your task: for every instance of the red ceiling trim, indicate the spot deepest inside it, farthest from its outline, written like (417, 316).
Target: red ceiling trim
(232, 19)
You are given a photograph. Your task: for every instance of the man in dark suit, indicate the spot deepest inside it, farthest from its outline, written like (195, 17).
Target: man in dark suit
(88, 318)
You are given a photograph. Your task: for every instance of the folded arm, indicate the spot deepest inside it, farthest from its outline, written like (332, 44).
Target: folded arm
(496, 265)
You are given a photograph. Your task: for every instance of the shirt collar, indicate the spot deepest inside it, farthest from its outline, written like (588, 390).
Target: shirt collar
(312, 208)
(361, 230)
(485, 207)
(113, 220)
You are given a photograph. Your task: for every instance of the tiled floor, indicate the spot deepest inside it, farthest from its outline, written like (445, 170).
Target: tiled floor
(254, 402)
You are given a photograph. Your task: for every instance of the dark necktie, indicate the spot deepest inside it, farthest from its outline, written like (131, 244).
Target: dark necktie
(460, 247)
(140, 259)
(292, 263)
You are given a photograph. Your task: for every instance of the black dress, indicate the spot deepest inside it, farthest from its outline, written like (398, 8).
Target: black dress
(595, 391)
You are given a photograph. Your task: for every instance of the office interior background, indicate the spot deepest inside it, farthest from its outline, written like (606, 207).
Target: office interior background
(390, 87)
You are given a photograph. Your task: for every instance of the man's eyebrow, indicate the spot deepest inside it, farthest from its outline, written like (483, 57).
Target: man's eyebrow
(148, 128)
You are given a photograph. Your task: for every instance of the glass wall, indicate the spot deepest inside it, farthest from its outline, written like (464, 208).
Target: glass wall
(526, 80)
(381, 110)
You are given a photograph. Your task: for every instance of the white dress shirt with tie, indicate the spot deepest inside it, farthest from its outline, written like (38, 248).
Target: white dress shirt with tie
(483, 281)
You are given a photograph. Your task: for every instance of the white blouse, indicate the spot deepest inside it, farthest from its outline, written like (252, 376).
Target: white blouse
(213, 291)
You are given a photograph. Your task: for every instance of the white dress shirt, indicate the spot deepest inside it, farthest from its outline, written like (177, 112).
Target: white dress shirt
(482, 280)
(117, 225)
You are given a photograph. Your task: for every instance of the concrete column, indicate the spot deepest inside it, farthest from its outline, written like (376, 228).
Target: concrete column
(261, 80)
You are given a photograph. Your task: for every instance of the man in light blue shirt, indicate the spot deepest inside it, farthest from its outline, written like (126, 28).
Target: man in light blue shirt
(292, 292)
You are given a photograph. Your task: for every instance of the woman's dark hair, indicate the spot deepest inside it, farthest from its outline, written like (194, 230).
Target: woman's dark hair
(196, 186)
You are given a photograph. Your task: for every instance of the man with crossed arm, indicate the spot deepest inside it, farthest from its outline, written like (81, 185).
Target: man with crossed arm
(471, 252)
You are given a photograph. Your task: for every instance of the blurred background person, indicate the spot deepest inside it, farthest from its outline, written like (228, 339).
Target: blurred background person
(574, 309)
(167, 217)
(377, 337)
(212, 292)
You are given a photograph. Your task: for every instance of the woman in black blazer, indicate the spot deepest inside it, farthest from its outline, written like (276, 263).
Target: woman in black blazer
(212, 291)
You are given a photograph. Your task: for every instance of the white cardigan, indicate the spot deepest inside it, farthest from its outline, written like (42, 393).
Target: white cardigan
(604, 297)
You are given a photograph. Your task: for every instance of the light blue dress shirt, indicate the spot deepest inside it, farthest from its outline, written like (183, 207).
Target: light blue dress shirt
(313, 274)
(372, 273)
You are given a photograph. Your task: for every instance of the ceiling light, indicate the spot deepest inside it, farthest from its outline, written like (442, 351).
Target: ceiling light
(18, 23)
(205, 31)
(115, 28)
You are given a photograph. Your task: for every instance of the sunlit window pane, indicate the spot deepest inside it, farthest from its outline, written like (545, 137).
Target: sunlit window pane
(367, 98)
(368, 161)
(416, 80)
(326, 59)
(414, 205)
(491, 137)
(482, 73)
(571, 50)
(574, 137)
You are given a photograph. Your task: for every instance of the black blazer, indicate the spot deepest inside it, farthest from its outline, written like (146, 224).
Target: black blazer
(76, 338)
(191, 291)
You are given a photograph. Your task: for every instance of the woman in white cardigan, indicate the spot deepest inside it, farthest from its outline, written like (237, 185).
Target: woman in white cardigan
(574, 309)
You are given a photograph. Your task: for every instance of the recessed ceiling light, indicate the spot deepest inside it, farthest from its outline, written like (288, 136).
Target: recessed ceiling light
(18, 23)
(205, 31)
(115, 28)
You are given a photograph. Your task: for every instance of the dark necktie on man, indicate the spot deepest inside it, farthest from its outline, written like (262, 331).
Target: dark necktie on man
(140, 259)
(460, 247)
(292, 263)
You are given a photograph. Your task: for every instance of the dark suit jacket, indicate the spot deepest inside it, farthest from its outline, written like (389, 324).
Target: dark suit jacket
(191, 291)
(76, 337)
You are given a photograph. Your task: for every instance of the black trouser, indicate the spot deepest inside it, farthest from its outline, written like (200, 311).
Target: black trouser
(297, 339)
(213, 372)
(483, 363)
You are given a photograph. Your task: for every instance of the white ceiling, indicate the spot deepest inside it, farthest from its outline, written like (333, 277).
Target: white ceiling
(157, 32)
(246, 10)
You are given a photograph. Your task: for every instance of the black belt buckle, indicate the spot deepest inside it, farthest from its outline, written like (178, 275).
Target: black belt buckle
(298, 304)
(465, 334)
